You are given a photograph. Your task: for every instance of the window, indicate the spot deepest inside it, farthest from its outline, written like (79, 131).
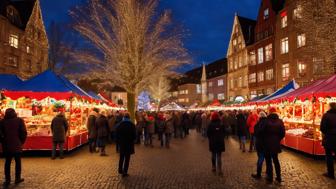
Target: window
(198, 89)
(284, 45)
(230, 64)
(269, 91)
(301, 40)
(302, 68)
(297, 13)
(283, 19)
(234, 42)
(28, 49)
(318, 68)
(245, 81)
(181, 100)
(14, 41)
(236, 28)
(260, 55)
(211, 96)
(269, 74)
(235, 63)
(220, 82)
(252, 78)
(285, 72)
(240, 61)
(231, 83)
(268, 52)
(252, 57)
(187, 100)
(13, 61)
(260, 76)
(240, 82)
(266, 14)
(210, 84)
(221, 96)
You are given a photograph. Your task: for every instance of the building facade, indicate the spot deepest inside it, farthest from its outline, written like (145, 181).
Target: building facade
(23, 39)
(241, 37)
(261, 56)
(293, 61)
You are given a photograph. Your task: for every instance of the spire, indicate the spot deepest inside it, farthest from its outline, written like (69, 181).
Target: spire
(204, 76)
(36, 20)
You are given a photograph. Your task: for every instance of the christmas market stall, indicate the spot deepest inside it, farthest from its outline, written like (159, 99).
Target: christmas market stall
(302, 110)
(38, 101)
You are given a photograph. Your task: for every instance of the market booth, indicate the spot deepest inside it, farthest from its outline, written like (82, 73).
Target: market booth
(39, 99)
(301, 111)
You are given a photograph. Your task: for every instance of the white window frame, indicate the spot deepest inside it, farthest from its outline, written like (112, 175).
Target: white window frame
(301, 40)
(253, 78)
(221, 96)
(284, 42)
(260, 55)
(284, 21)
(269, 74)
(14, 40)
(252, 58)
(269, 52)
(220, 82)
(285, 71)
(261, 76)
(266, 14)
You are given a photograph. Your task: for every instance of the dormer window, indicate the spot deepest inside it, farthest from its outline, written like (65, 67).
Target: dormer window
(13, 15)
(266, 14)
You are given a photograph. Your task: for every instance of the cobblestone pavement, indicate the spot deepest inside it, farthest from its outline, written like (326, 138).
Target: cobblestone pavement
(185, 165)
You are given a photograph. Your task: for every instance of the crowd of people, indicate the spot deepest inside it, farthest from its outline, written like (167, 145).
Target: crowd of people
(264, 130)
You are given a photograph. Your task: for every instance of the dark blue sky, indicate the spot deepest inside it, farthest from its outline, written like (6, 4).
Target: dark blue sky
(208, 22)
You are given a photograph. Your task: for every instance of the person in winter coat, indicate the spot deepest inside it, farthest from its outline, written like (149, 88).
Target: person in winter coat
(241, 130)
(111, 124)
(150, 130)
(216, 135)
(259, 142)
(161, 125)
(186, 124)
(140, 125)
(92, 130)
(102, 132)
(273, 134)
(59, 128)
(328, 129)
(126, 135)
(204, 118)
(13, 136)
(169, 129)
(251, 122)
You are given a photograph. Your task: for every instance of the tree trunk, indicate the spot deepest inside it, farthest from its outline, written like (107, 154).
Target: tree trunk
(159, 106)
(131, 105)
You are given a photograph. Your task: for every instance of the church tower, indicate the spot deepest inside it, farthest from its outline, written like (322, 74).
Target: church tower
(204, 85)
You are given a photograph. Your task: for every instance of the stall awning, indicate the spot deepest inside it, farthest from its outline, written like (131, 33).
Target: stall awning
(172, 107)
(10, 82)
(291, 86)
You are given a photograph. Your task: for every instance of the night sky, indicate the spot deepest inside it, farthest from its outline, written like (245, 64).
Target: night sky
(208, 22)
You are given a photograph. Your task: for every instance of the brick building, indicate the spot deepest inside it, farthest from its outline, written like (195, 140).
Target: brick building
(241, 37)
(23, 39)
(261, 53)
(293, 61)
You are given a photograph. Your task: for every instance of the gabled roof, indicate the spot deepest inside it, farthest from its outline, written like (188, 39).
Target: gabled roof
(24, 7)
(247, 26)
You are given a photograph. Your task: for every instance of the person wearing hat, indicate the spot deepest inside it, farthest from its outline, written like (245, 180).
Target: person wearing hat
(328, 129)
(274, 132)
(59, 128)
(126, 135)
(216, 136)
(259, 142)
(13, 136)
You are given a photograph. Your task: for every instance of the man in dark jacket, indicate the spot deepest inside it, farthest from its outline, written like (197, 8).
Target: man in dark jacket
(216, 135)
(14, 135)
(59, 128)
(126, 135)
(102, 132)
(328, 129)
(273, 134)
(92, 130)
(242, 130)
(259, 134)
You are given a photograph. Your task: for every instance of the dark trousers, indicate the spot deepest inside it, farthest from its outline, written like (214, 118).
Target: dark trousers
(252, 142)
(8, 161)
(92, 145)
(269, 167)
(161, 138)
(168, 137)
(261, 158)
(54, 147)
(330, 161)
(124, 163)
(216, 160)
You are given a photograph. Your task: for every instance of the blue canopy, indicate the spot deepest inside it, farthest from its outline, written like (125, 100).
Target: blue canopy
(10, 82)
(49, 81)
(291, 86)
(94, 95)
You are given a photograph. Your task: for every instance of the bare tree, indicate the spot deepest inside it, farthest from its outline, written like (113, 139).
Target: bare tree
(317, 18)
(133, 43)
(159, 89)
